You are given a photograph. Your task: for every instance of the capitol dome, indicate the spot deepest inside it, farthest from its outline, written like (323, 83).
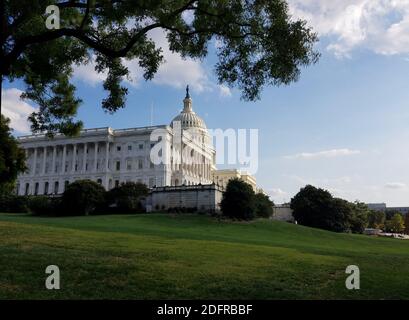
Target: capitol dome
(187, 117)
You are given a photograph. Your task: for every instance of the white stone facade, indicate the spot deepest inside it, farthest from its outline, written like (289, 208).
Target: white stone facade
(111, 157)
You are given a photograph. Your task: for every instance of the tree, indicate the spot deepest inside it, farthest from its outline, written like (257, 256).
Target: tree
(358, 220)
(127, 197)
(315, 207)
(238, 200)
(406, 223)
(395, 224)
(12, 158)
(82, 197)
(311, 206)
(259, 44)
(263, 205)
(376, 219)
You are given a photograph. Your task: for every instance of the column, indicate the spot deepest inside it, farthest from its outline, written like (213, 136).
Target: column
(95, 156)
(106, 156)
(74, 157)
(34, 165)
(26, 152)
(106, 165)
(64, 155)
(54, 158)
(44, 160)
(84, 158)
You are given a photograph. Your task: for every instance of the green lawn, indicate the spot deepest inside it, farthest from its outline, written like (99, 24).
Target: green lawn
(159, 256)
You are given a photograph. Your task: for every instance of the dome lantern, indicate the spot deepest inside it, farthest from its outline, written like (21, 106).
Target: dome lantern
(187, 117)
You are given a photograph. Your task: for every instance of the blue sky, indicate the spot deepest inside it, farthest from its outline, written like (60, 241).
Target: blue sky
(344, 126)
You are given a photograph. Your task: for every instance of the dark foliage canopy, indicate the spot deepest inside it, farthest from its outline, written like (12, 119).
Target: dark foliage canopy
(127, 197)
(263, 205)
(12, 158)
(82, 197)
(258, 44)
(315, 207)
(238, 200)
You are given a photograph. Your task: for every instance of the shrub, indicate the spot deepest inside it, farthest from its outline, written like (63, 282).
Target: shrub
(82, 197)
(264, 206)
(44, 206)
(13, 204)
(238, 200)
(127, 197)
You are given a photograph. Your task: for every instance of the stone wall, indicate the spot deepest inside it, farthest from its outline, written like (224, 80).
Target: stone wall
(204, 198)
(283, 213)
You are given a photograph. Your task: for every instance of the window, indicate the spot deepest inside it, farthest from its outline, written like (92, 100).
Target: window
(66, 183)
(128, 165)
(118, 165)
(36, 186)
(46, 188)
(116, 183)
(118, 148)
(129, 148)
(140, 164)
(151, 182)
(152, 145)
(27, 190)
(140, 146)
(99, 181)
(56, 186)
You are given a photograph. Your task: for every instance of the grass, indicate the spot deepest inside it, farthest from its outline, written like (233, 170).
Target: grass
(160, 256)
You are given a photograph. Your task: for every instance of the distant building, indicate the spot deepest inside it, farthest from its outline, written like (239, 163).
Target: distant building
(377, 206)
(222, 177)
(402, 210)
(382, 207)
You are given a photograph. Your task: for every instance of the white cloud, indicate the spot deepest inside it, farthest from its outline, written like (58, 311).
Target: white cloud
(378, 25)
(87, 74)
(324, 154)
(278, 195)
(395, 185)
(224, 91)
(17, 110)
(174, 72)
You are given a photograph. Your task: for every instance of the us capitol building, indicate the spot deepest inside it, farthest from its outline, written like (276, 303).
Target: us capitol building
(111, 157)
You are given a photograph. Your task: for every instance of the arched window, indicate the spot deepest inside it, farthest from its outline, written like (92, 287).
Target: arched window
(46, 188)
(99, 181)
(56, 187)
(36, 186)
(27, 189)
